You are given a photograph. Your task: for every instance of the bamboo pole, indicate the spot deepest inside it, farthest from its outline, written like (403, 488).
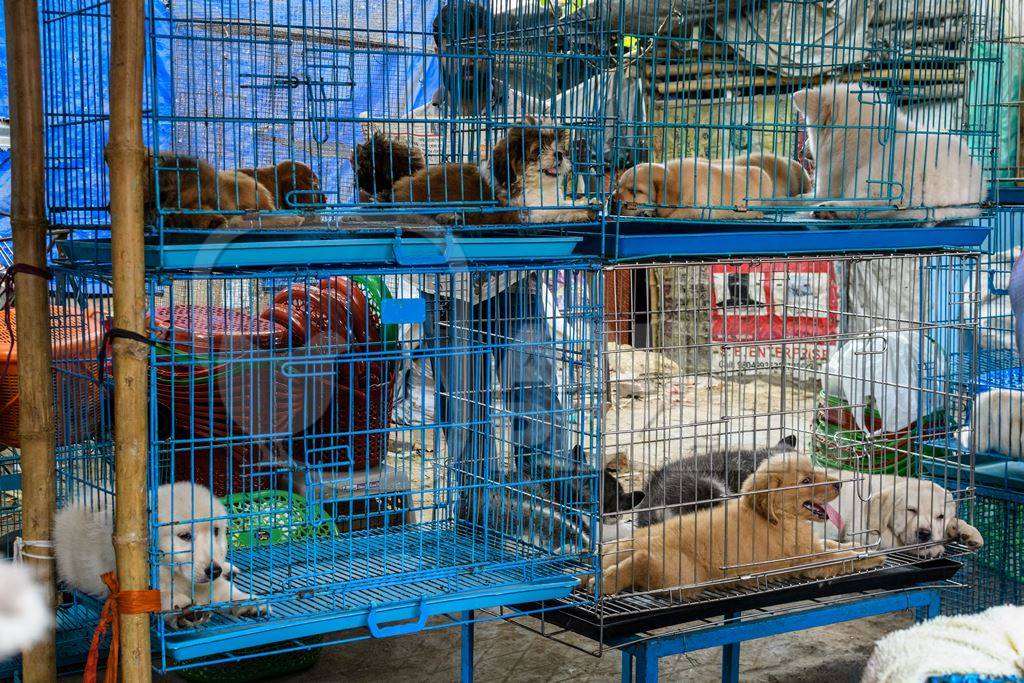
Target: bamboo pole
(126, 161)
(28, 226)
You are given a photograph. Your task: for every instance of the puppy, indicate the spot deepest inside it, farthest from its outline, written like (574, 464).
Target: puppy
(287, 177)
(769, 528)
(868, 154)
(186, 182)
(789, 179)
(688, 484)
(380, 161)
(886, 512)
(192, 541)
(24, 614)
(530, 164)
(681, 187)
(454, 184)
(997, 423)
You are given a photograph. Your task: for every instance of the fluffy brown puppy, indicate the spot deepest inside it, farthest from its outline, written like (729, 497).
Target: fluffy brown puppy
(186, 182)
(380, 161)
(453, 184)
(680, 188)
(530, 164)
(770, 527)
(286, 177)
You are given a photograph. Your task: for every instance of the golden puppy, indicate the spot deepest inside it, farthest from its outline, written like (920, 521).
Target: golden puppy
(685, 189)
(789, 178)
(770, 527)
(189, 183)
(287, 177)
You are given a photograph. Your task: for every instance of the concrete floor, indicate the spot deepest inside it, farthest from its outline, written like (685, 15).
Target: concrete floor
(505, 652)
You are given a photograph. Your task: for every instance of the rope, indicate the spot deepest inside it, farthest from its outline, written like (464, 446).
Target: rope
(118, 602)
(115, 333)
(7, 296)
(20, 544)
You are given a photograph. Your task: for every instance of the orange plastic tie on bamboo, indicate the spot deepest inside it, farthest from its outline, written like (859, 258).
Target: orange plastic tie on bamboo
(118, 603)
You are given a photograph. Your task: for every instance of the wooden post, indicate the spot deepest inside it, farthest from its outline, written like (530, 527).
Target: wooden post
(131, 400)
(28, 226)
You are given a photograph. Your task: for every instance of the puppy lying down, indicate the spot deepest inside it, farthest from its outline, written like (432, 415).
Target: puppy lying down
(193, 544)
(887, 512)
(769, 528)
(689, 189)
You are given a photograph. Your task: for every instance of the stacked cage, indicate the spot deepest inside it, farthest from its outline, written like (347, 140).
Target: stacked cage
(379, 337)
(373, 406)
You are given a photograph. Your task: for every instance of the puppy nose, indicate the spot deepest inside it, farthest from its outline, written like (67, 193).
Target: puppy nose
(559, 156)
(924, 535)
(838, 486)
(213, 572)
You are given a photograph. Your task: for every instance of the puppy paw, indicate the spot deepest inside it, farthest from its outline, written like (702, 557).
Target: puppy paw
(962, 532)
(251, 611)
(188, 618)
(873, 562)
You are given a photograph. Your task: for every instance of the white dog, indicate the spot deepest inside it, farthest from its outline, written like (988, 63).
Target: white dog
(889, 513)
(997, 423)
(868, 154)
(192, 539)
(24, 614)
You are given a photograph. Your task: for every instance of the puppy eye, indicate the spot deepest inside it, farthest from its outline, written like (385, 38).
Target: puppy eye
(912, 511)
(806, 480)
(216, 531)
(941, 517)
(185, 536)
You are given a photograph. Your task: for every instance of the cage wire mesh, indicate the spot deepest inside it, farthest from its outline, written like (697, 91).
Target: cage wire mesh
(351, 448)
(776, 415)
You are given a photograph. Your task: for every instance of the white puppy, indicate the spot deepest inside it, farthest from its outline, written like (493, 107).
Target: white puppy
(24, 614)
(192, 541)
(891, 513)
(997, 423)
(868, 154)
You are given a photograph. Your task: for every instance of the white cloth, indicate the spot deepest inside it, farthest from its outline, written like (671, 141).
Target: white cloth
(886, 371)
(990, 643)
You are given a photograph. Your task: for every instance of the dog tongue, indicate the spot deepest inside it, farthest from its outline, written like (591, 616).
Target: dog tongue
(834, 516)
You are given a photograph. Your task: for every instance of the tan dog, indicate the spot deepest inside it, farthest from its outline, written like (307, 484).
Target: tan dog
(191, 184)
(682, 188)
(285, 178)
(788, 177)
(770, 527)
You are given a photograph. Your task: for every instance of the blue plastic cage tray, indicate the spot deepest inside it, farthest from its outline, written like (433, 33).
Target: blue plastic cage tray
(432, 569)
(646, 239)
(415, 251)
(990, 469)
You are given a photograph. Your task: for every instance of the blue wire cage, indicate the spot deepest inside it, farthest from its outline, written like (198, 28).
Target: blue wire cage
(375, 449)
(603, 118)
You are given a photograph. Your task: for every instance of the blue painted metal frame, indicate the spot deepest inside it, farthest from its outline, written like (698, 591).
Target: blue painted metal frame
(640, 658)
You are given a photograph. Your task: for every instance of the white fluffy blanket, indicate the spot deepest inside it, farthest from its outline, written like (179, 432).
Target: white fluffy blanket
(991, 643)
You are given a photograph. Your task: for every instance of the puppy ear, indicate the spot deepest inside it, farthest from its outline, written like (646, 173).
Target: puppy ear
(816, 109)
(789, 441)
(880, 511)
(759, 492)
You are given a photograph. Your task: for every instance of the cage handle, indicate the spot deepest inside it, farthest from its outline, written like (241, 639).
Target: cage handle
(998, 291)
(404, 257)
(402, 629)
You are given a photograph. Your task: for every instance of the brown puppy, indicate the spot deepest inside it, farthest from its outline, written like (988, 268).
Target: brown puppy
(454, 184)
(788, 176)
(681, 187)
(286, 177)
(767, 529)
(530, 164)
(186, 182)
(379, 161)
